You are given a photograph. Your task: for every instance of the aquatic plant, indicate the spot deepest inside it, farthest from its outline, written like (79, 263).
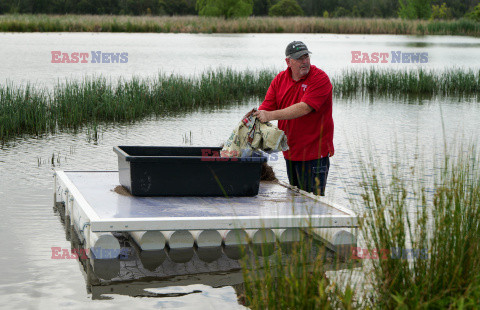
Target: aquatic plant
(407, 82)
(294, 277)
(440, 225)
(419, 243)
(28, 110)
(195, 24)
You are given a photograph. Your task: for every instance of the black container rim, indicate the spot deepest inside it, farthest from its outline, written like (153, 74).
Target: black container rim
(258, 156)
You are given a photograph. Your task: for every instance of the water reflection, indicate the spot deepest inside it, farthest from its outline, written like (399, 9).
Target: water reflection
(173, 272)
(151, 260)
(208, 254)
(181, 255)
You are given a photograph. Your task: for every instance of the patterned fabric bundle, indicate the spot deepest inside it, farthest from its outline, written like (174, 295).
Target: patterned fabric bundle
(251, 135)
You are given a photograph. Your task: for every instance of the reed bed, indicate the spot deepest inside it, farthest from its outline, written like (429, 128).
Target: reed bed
(435, 231)
(196, 24)
(408, 82)
(27, 110)
(294, 277)
(431, 237)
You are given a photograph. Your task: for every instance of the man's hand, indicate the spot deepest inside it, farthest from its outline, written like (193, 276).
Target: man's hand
(263, 116)
(294, 111)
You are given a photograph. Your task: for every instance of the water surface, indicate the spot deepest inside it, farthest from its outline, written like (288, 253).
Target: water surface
(413, 129)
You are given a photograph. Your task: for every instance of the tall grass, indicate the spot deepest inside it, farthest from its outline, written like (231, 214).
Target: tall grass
(294, 279)
(434, 232)
(27, 110)
(195, 24)
(408, 82)
(447, 225)
(24, 110)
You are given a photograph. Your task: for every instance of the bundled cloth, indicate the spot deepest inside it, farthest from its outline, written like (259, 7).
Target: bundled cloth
(251, 135)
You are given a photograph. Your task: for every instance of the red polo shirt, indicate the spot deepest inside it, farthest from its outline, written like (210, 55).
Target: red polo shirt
(310, 136)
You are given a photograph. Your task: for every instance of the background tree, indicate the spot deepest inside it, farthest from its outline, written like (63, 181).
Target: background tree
(311, 7)
(286, 8)
(441, 12)
(178, 7)
(474, 14)
(340, 11)
(414, 9)
(261, 7)
(225, 8)
(231, 8)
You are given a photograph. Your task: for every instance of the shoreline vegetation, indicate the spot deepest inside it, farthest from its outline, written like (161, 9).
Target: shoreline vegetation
(196, 24)
(26, 110)
(435, 223)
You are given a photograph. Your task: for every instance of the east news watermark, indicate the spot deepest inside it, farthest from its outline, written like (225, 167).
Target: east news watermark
(394, 57)
(392, 253)
(94, 57)
(81, 253)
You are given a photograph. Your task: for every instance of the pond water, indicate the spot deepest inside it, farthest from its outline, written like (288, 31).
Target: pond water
(27, 57)
(410, 128)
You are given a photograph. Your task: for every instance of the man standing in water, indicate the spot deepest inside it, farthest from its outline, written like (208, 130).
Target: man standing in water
(300, 98)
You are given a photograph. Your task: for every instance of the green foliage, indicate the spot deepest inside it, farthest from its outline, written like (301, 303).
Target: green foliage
(325, 14)
(286, 8)
(194, 24)
(411, 82)
(361, 8)
(26, 110)
(261, 7)
(225, 8)
(340, 12)
(414, 9)
(178, 7)
(292, 277)
(441, 12)
(438, 217)
(474, 14)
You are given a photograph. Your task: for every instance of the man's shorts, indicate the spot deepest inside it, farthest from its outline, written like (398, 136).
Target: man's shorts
(310, 176)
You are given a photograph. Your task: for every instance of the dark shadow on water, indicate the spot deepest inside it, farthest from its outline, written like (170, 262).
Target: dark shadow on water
(234, 252)
(263, 250)
(180, 255)
(151, 260)
(208, 254)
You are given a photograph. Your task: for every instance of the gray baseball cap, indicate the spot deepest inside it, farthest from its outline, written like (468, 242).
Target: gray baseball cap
(296, 49)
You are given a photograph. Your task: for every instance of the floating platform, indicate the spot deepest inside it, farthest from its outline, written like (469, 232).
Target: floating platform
(96, 206)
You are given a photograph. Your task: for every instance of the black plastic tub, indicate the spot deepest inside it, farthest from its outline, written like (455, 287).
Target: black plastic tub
(187, 171)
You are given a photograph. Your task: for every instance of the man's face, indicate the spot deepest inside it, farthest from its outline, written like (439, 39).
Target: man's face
(300, 67)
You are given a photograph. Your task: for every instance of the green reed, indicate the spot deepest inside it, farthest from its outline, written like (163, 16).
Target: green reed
(24, 110)
(442, 225)
(430, 228)
(408, 82)
(196, 24)
(293, 277)
(28, 110)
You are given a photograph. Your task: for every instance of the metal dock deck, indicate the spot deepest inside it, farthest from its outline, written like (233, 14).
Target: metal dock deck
(96, 209)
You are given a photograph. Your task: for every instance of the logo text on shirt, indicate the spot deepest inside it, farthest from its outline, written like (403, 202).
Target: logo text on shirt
(304, 86)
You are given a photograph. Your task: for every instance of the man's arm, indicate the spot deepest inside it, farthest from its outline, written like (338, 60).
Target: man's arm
(294, 111)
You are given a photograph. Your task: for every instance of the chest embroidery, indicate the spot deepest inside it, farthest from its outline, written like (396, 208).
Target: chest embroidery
(304, 86)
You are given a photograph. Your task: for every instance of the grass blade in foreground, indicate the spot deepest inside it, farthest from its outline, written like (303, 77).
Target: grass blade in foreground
(296, 280)
(435, 250)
